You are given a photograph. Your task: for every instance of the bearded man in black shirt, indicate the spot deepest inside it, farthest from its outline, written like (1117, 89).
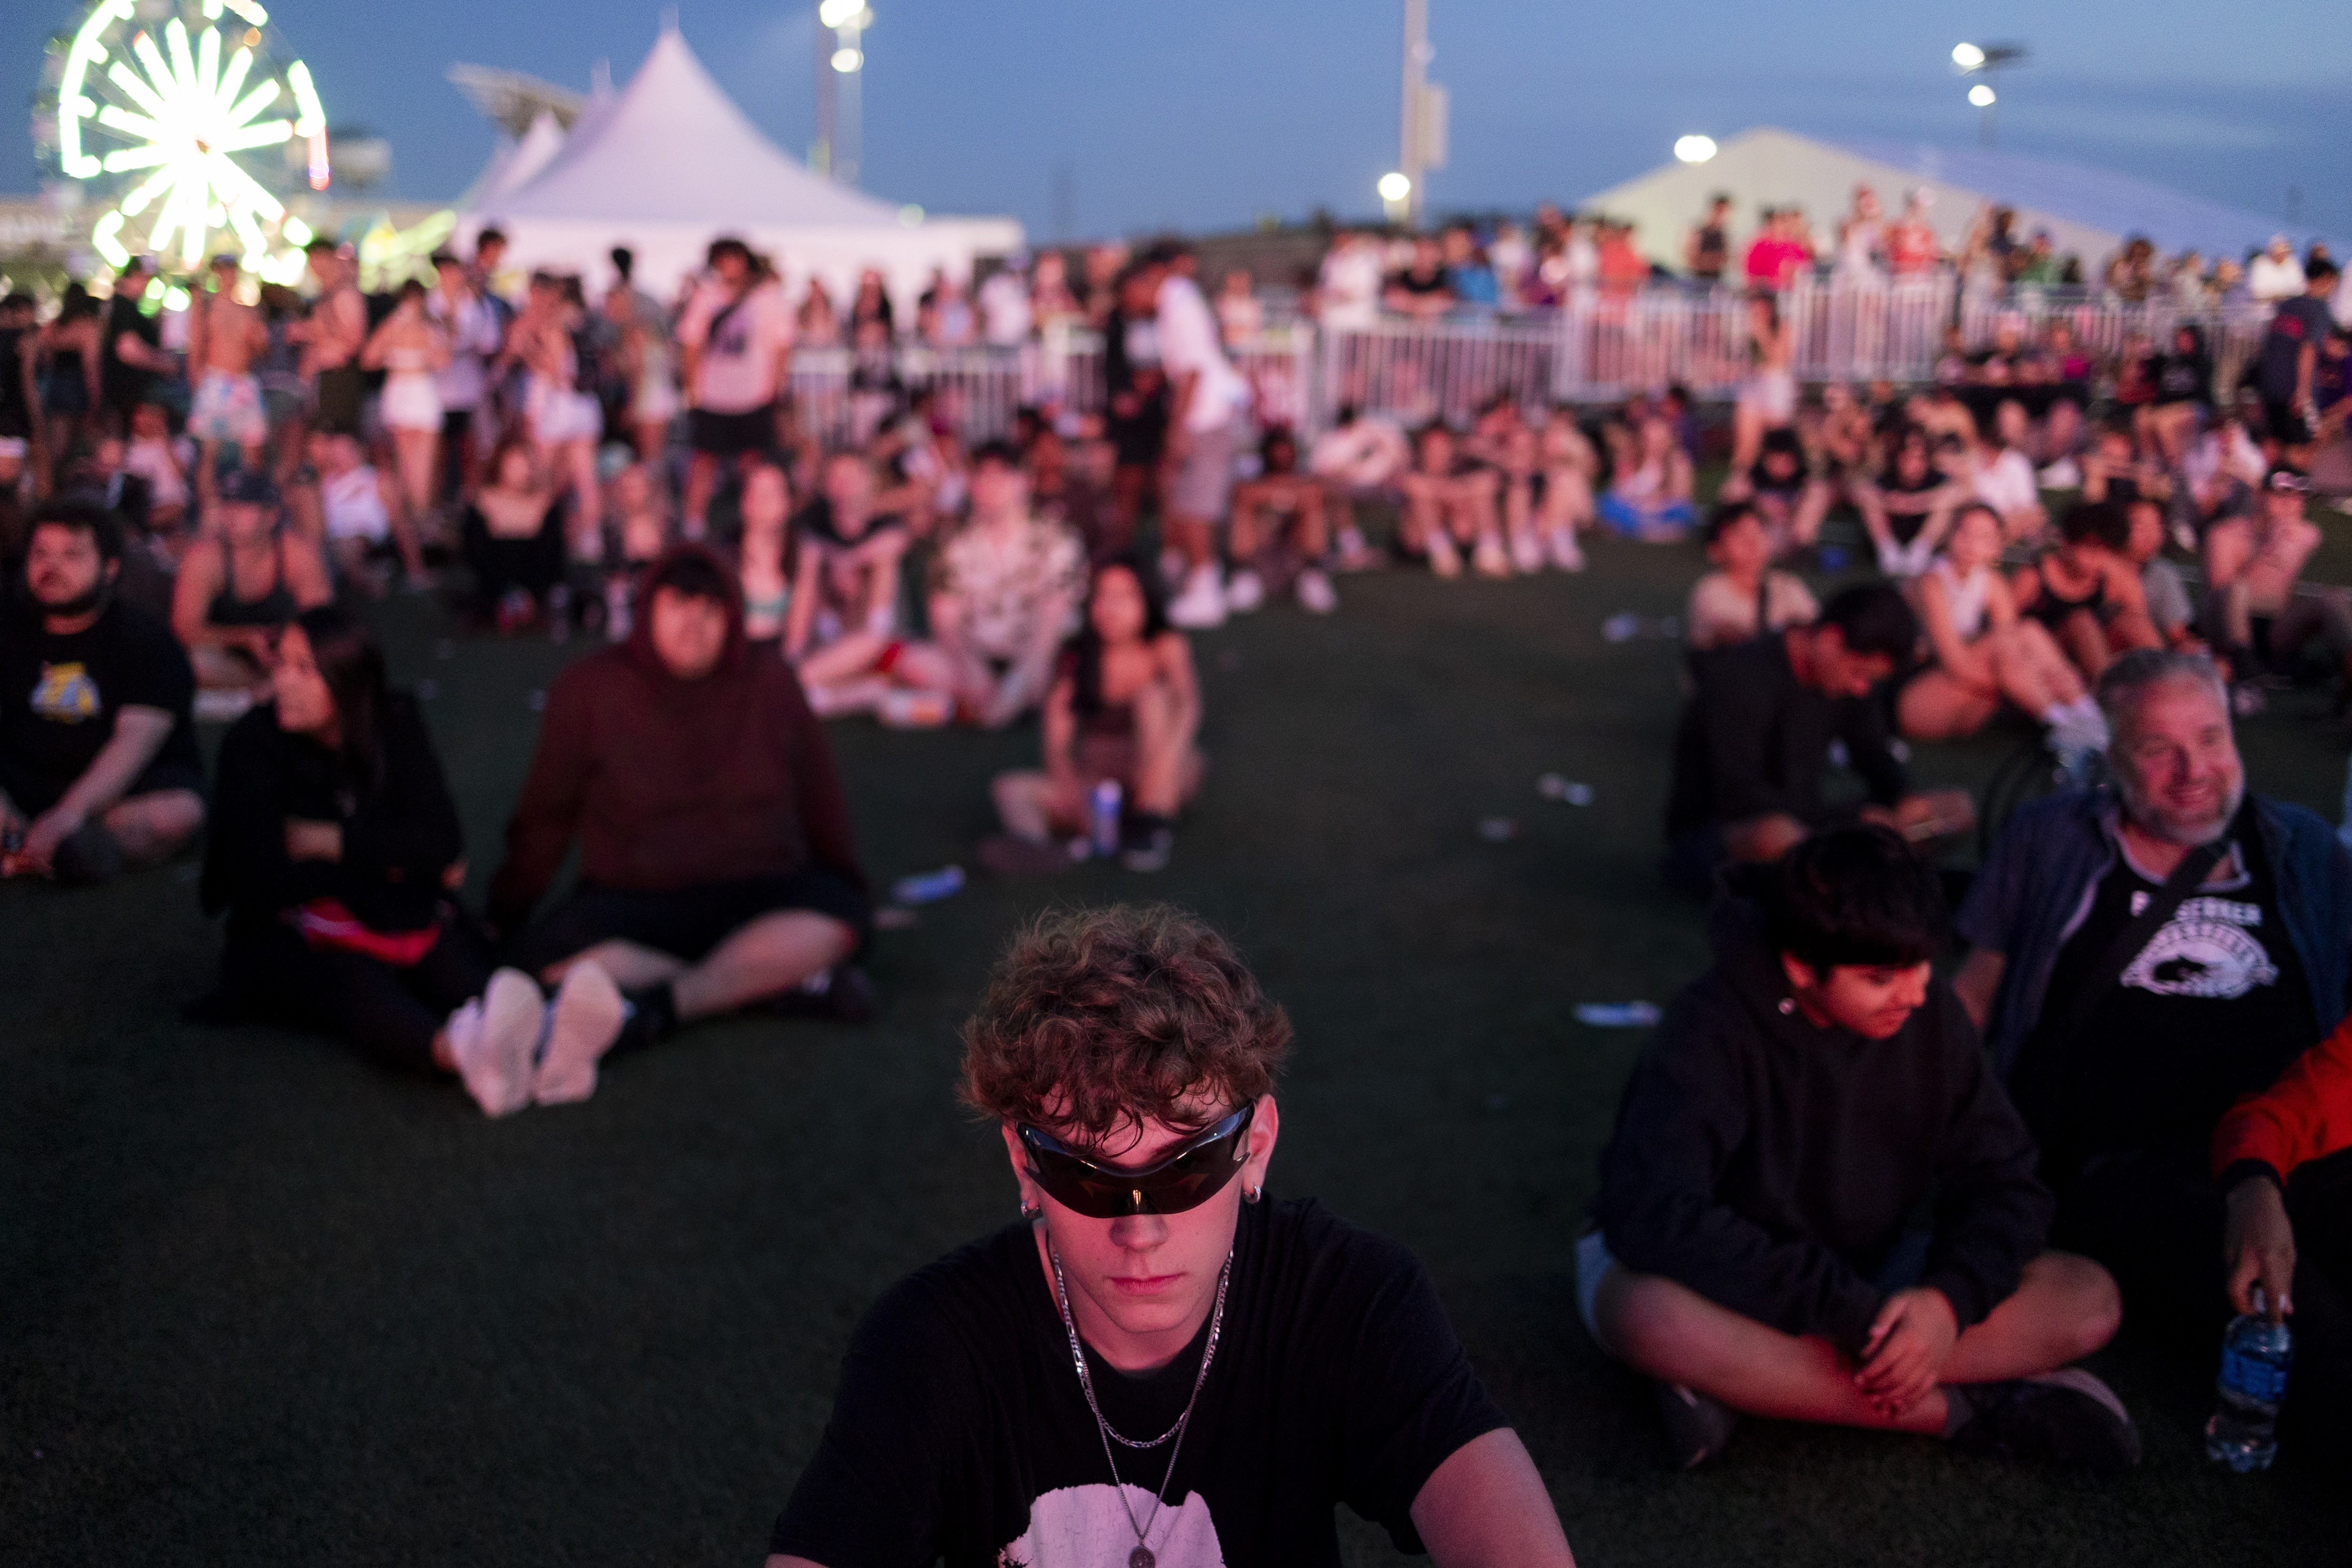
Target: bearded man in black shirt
(99, 767)
(1158, 1366)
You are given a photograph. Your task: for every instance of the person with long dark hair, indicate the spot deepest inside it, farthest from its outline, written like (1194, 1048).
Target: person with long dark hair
(1124, 707)
(336, 854)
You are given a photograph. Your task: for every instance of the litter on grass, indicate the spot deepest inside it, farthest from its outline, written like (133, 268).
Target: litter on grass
(1617, 1015)
(538, 702)
(895, 917)
(1625, 626)
(1499, 829)
(426, 690)
(1552, 786)
(928, 887)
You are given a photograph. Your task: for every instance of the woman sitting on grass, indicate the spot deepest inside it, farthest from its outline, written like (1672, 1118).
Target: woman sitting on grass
(841, 630)
(336, 852)
(1649, 496)
(2086, 590)
(1124, 707)
(513, 537)
(1450, 506)
(1985, 653)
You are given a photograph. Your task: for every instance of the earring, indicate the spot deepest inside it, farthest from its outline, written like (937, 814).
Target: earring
(1033, 1210)
(1252, 1194)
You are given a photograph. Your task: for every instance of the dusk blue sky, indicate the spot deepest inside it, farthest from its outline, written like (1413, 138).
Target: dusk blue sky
(1207, 114)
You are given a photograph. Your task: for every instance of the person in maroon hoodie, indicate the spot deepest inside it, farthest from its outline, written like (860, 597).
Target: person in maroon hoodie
(716, 865)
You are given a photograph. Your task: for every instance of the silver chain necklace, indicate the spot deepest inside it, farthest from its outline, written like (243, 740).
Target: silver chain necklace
(1141, 1557)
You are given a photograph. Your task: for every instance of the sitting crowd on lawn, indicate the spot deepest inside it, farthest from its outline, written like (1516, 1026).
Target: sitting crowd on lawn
(1842, 1188)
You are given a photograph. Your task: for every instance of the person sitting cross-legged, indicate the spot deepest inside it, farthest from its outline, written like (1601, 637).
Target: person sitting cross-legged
(1819, 1204)
(1005, 595)
(1160, 1363)
(1754, 741)
(336, 854)
(1125, 707)
(1279, 531)
(716, 865)
(2142, 957)
(99, 767)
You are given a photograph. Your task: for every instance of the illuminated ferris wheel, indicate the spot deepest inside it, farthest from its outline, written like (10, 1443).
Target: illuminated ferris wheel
(186, 118)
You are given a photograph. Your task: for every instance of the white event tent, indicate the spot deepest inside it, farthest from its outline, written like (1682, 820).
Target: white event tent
(669, 164)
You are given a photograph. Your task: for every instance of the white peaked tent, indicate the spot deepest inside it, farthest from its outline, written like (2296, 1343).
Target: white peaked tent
(2088, 212)
(515, 163)
(669, 164)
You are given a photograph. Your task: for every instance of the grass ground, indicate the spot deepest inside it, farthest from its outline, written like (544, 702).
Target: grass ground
(263, 1303)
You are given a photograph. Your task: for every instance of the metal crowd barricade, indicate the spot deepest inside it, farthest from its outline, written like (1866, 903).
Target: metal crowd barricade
(1600, 347)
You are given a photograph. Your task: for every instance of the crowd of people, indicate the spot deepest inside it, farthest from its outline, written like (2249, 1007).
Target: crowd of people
(1842, 1188)
(1468, 268)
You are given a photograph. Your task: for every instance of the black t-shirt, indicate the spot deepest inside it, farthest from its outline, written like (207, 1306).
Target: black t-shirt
(2183, 378)
(2300, 321)
(125, 383)
(960, 1431)
(2211, 1008)
(15, 414)
(1436, 280)
(59, 696)
(1754, 740)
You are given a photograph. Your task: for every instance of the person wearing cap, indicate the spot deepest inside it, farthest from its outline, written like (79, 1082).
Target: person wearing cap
(225, 335)
(2252, 564)
(99, 769)
(239, 586)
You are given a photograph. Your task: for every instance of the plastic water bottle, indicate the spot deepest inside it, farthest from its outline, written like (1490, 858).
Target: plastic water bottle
(2255, 1355)
(1103, 817)
(1618, 1014)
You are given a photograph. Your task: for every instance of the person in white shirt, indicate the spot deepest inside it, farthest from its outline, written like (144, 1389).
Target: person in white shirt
(1005, 316)
(1207, 397)
(2002, 478)
(470, 326)
(1359, 458)
(1348, 288)
(2275, 274)
(735, 342)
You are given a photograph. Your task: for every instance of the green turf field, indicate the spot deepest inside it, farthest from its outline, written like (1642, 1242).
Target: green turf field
(266, 1304)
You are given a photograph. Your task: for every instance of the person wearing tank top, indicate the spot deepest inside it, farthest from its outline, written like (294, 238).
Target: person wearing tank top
(241, 583)
(1986, 653)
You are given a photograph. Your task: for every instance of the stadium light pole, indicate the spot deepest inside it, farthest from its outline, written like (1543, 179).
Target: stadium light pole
(1421, 119)
(1988, 60)
(840, 71)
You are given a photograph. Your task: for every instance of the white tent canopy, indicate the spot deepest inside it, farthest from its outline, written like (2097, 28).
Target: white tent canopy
(670, 163)
(515, 163)
(2088, 212)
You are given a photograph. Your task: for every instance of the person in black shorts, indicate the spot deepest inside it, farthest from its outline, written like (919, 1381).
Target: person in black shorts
(1159, 1363)
(99, 768)
(1909, 507)
(718, 866)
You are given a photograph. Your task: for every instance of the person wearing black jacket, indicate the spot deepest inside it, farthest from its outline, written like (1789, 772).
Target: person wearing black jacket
(1820, 1206)
(1754, 741)
(335, 851)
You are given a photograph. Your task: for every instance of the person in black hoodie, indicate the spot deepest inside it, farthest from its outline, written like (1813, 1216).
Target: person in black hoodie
(335, 852)
(1820, 1206)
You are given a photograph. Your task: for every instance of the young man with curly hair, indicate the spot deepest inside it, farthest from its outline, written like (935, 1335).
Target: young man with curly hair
(1157, 1365)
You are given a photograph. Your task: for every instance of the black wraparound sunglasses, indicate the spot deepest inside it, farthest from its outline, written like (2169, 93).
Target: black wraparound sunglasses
(1195, 1173)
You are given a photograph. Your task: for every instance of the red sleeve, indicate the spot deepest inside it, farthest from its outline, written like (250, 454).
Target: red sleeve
(2305, 1114)
(825, 806)
(548, 813)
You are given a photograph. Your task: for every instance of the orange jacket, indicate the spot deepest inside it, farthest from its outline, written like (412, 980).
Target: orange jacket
(2305, 1114)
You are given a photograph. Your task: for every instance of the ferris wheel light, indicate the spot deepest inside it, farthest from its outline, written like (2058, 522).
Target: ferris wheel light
(180, 99)
(102, 241)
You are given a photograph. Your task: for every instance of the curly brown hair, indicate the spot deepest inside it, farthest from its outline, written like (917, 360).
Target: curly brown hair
(1096, 1019)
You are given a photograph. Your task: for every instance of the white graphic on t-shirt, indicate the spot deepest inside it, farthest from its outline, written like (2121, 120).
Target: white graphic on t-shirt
(2206, 949)
(1085, 1527)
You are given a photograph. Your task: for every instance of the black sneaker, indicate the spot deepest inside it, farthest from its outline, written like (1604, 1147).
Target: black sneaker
(2064, 1417)
(1698, 1428)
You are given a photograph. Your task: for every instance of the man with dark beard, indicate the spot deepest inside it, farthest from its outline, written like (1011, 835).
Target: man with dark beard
(99, 768)
(2142, 958)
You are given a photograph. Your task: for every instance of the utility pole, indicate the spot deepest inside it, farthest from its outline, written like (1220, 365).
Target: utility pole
(1412, 103)
(821, 149)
